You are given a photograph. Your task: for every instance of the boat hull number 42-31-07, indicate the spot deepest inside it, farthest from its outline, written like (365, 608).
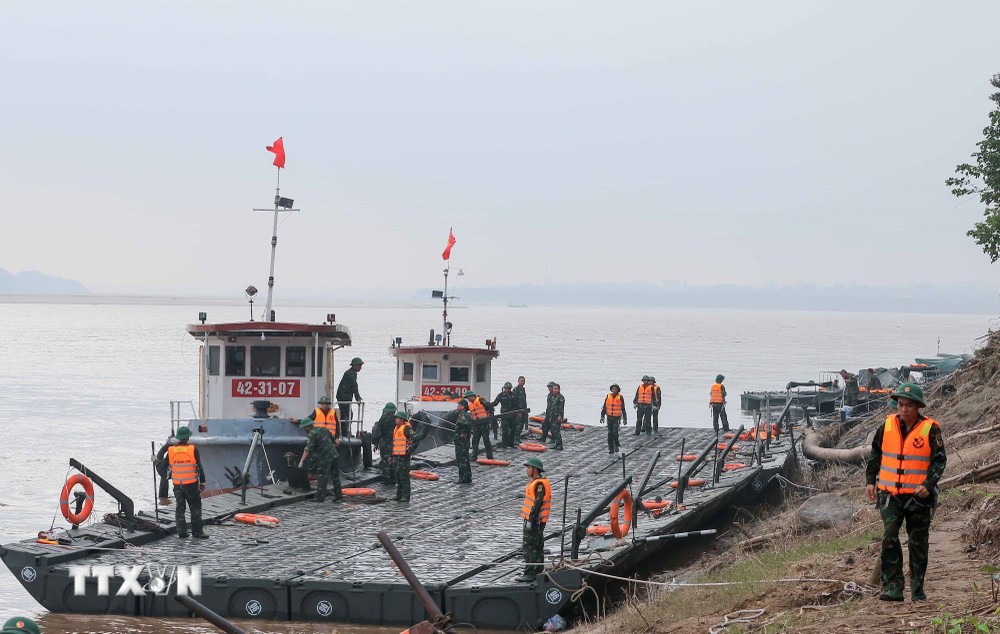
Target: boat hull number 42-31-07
(253, 388)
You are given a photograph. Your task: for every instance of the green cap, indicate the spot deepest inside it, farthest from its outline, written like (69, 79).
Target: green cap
(534, 462)
(469, 393)
(306, 422)
(389, 408)
(21, 624)
(402, 415)
(182, 433)
(719, 378)
(508, 384)
(324, 400)
(615, 385)
(910, 391)
(550, 384)
(357, 361)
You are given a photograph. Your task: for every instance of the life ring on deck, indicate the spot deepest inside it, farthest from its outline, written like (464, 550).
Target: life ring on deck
(598, 529)
(88, 504)
(733, 466)
(361, 492)
(537, 419)
(722, 446)
(532, 446)
(655, 508)
(693, 482)
(728, 435)
(535, 430)
(687, 457)
(572, 426)
(256, 520)
(620, 530)
(418, 474)
(493, 463)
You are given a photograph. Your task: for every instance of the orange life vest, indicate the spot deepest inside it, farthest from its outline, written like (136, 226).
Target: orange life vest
(529, 500)
(646, 394)
(183, 464)
(327, 421)
(614, 404)
(477, 408)
(717, 396)
(904, 466)
(400, 443)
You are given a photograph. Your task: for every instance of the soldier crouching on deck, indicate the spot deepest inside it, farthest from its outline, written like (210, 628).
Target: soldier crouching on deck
(906, 462)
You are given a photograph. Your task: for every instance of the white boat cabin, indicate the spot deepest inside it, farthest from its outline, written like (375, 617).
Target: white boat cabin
(429, 377)
(289, 365)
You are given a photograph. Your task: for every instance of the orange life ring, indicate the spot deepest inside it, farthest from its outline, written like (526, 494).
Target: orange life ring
(572, 426)
(656, 508)
(598, 529)
(493, 463)
(693, 482)
(728, 435)
(256, 520)
(733, 466)
(620, 530)
(537, 419)
(419, 474)
(532, 446)
(362, 492)
(88, 504)
(722, 445)
(535, 430)
(688, 457)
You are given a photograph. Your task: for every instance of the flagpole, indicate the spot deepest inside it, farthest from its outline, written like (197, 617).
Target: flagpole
(274, 245)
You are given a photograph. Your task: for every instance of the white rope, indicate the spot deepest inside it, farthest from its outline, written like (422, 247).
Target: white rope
(783, 482)
(739, 616)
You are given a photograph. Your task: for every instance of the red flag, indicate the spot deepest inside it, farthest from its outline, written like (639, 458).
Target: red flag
(451, 242)
(279, 152)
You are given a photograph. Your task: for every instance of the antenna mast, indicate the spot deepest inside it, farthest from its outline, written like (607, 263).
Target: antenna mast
(280, 204)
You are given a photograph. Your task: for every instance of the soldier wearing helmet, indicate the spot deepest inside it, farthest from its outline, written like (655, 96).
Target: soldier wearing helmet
(508, 402)
(614, 412)
(535, 513)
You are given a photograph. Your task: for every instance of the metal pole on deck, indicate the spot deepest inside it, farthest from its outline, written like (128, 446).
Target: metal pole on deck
(156, 494)
(432, 608)
(562, 535)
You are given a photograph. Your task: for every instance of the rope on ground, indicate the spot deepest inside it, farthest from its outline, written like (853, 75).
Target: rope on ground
(739, 616)
(783, 482)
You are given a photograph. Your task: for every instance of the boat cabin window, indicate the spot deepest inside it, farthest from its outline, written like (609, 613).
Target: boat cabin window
(295, 361)
(480, 373)
(236, 361)
(317, 366)
(407, 371)
(265, 360)
(213, 360)
(429, 372)
(459, 374)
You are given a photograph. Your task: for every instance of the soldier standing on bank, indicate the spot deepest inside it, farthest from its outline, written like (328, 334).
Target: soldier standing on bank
(508, 403)
(643, 402)
(321, 454)
(851, 390)
(463, 430)
(188, 477)
(402, 443)
(347, 391)
(555, 416)
(614, 412)
(906, 462)
(535, 513)
(717, 402)
(522, 403)
(382, 436)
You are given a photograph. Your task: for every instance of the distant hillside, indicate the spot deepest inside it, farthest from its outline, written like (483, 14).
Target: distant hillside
(33, 282)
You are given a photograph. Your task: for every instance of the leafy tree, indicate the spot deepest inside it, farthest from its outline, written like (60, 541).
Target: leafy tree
(983, 178)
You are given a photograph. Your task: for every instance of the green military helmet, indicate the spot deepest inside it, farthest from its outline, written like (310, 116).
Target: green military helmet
(402, 415)
(389, 408)
(911, 391)
(306, 422)
(550, 384)
(645, 377)
(464, 403)
(324, 400)
(615, 385)
(534, 462)
(182, 433)
(357, 361)
(652, 378)
(20, 625)
(469, 393)
(719, 378)
(508, 384)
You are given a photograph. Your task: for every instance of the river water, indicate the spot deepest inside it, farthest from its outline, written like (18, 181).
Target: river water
(94, 382)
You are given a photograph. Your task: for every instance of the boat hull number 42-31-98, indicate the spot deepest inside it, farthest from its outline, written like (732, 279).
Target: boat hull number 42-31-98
(254, 388)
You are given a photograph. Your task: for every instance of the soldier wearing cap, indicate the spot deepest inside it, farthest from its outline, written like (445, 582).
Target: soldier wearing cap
(643, 402)
(717, 403)
(323, 416)
(463, 430)
(402, 446)
(522, 403)
(508, 402)
(382, 436)
(20, 625)
(614, 412)
(321, 454)
(555, 416)
(906, 462)
(346, 392)
(480, 430)
(188, 477)
(535, 513)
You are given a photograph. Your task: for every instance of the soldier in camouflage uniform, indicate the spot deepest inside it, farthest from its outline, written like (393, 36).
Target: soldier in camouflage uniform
(347, 391)
(321, 455)
(535, 513)
(382, 435)
(522, 403)
(463, 430)
(555, 408)
(402, 446)
(907, 460)
(508, 402)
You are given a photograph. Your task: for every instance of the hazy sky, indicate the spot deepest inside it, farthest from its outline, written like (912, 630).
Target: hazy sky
(704, 142)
